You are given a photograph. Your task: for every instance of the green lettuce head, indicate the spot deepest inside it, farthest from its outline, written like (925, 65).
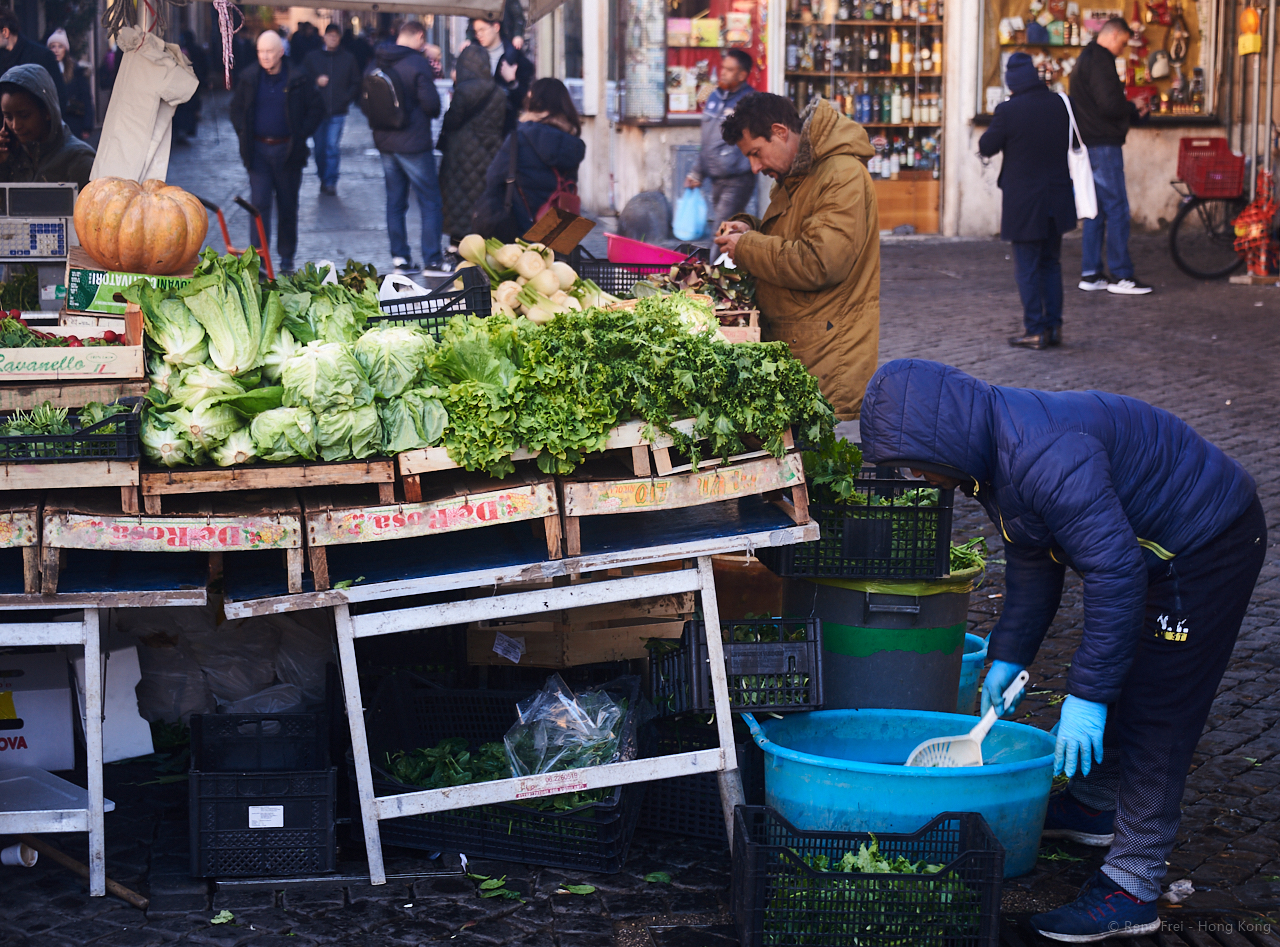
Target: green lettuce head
(344, 435)
(284, 434)
(238, 448)
(325, 376)
(412, 421)
(165, 442)
(393, 357)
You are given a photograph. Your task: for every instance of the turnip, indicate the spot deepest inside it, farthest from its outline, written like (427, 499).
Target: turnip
(506, 293)
(471, 247)
(545, 282)
(507, 255)
(531, 264)
(538, 316)
(564, 273)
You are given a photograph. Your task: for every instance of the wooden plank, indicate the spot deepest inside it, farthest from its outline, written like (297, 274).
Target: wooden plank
(129, 499)
(908, 201)
(59, 364)
(569, 646)
(553, 534)
(67, 600)
(15, 397)
(69, 475)
(412, 489)
(265, 477)
(319, 558)
(31, 570)
(386, 493)
(604, 497)
(505, 504)
(660, 607)
(293, 564)
(50, 566)
(212, 532)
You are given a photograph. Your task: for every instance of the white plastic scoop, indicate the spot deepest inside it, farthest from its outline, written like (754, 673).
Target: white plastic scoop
(965, 749)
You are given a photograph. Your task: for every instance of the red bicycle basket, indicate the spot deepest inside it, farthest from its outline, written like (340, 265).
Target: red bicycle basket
(1209, 169)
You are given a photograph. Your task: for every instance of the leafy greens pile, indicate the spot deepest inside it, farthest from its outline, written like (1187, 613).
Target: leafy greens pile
(46, 420)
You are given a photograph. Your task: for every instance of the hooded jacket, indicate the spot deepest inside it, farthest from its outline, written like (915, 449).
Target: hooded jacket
(422, 101)
(1109, 485)
(543, 149)
(816, 258)
(60, 155)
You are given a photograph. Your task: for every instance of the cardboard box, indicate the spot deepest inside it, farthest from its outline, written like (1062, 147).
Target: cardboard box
(94, 288)
(124, 733)
(35, 712)
(88, 363)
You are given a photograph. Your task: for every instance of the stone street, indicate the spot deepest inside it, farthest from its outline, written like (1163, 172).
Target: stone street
(1208, 352)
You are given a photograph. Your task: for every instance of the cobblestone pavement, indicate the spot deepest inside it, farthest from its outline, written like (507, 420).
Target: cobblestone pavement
(1205, 351)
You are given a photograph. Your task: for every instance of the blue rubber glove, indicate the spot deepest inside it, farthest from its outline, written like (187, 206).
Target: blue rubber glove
(999, 677)
(1079, 736)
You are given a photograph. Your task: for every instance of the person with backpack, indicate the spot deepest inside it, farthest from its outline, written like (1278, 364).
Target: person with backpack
(471, 135)
(547, 154)
(399, 99)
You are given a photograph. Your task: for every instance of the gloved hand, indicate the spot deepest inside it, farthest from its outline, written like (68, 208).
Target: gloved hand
(1079, 736)
(999, 677)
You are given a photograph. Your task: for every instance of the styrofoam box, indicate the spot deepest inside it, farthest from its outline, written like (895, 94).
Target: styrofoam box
(124, 733)
(35, 712)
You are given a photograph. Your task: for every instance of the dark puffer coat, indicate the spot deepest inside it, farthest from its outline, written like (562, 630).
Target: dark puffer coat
(469, 138)
(1108, 485)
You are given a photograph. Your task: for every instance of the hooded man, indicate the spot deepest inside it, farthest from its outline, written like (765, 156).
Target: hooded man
(36, 144)
(816, 254)
(1169, 537)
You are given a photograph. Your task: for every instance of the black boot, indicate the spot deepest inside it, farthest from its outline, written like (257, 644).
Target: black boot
(1053, 336)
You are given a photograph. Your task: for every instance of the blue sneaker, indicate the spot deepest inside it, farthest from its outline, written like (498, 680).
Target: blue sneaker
(1102, 910)
(1076, 822)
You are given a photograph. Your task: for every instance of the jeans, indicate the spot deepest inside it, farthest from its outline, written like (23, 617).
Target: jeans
(729, 196)
(1112, 222)
(417, 171)
(270, 175)
(328, 140)
(1152, 729)
(1038, 267)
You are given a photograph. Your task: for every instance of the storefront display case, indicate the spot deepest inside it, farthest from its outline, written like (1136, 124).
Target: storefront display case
(881, 64)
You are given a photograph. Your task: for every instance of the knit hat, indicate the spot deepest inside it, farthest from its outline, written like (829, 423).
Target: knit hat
(59, 36)
(1020, 73)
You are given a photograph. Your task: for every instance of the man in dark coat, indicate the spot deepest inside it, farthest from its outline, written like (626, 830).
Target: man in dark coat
(1039, 206)
(469, 137)
(1104, 115)
(408, 160)
(1169, 537)
(274, 110)
(511, 68)
(337, 76)
(17, 50)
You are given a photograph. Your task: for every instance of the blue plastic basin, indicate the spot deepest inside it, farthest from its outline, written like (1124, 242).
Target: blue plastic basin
(975, 656)
(841, 770)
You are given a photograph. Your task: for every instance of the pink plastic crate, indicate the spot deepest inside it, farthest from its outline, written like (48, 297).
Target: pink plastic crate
(626, 250)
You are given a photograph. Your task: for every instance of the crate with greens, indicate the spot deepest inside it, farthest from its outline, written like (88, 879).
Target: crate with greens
(732, 293)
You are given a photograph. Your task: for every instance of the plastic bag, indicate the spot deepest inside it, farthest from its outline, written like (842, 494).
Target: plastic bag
(690, 221)
(559, 730)
(237, 657)
(306, 648)
(172, 687)
(280, 699)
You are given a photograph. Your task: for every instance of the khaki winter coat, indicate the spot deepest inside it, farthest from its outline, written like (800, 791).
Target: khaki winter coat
(816, 258)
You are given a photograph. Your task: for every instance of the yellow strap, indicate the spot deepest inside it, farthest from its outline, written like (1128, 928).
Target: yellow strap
(1159, 550)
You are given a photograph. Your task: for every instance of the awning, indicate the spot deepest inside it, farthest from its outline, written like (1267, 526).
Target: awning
(491, 9)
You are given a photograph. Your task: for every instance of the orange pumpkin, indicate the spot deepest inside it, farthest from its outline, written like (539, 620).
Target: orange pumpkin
(152, 227)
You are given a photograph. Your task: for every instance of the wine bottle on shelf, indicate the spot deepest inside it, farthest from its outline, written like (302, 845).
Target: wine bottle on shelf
(886, 103)
(843, 12)
(895, 161)
(937, 56)
(895, 52)
(895, 105)
(806, 51)
(906, 107)
(793, 51)
(850, 52)
(896, 10)
(879, 9)
(907, 55)
(864, 104)
(873, 53)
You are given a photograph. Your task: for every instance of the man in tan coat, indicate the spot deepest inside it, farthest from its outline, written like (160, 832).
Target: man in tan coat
(816, 254)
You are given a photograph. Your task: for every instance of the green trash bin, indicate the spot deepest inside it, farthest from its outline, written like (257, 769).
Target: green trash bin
(889, 644)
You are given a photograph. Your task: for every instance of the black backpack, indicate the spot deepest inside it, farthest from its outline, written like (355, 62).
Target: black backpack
(383, 100)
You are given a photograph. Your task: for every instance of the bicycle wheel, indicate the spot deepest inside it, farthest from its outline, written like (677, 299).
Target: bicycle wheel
(1202, 237)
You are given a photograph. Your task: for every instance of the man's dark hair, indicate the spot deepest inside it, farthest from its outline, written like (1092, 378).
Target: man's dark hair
(742, 58)
(756, 114)
(412, 27)
(484, 19)
(333, 28)
(9, 21)
(1116, 24)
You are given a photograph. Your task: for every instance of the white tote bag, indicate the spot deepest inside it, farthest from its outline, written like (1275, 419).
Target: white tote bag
(1080, 169)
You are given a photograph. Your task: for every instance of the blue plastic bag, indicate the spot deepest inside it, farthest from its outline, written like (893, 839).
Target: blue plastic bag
(690, 221)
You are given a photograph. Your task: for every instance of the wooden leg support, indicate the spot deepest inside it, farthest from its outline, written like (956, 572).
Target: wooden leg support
(319, 567)
(386, 493)
(413, 489)
(662, 460)
(151, 503)
(293, 562)
(31, 570)
(572, 536)
(555, 544)
(640, 461)
(129, 499)
(49, 569)
(729, 777)
(359, 743)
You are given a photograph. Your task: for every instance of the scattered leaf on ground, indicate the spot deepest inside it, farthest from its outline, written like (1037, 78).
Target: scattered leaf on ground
(222, 917)
(658, 878)
(577, 889)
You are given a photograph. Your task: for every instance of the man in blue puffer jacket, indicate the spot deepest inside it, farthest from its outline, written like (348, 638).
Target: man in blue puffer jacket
(1169, 537)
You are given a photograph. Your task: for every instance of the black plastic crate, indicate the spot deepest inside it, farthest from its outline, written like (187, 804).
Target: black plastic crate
(262, 824)
(259, 743)
(113, 438)
(618, 278)
(690, 805)
(780, 672)
(433, 311)
(409, 712)
(779, 899)
(874, 540)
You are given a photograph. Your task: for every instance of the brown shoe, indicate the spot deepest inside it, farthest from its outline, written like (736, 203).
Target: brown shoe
(1029, 342)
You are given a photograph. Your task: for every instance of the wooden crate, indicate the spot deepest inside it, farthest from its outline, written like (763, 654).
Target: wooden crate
(449, 502)
(20, 529)
(591, 635)
(74, 394)
(90, 363)
(666, 461)
(158, 482)
(603, 489)
(748, 333)
(214, 524)
(76, 475)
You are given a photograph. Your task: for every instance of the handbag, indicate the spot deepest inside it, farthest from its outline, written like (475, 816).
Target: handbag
(1079, 167)
(564, 197)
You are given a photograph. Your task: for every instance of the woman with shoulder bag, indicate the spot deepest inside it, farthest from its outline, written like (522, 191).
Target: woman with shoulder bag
(537, 166)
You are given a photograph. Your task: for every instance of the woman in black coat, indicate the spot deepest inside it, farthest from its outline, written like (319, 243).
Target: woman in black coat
(469, 138)
(548, 152)
(1033, 130)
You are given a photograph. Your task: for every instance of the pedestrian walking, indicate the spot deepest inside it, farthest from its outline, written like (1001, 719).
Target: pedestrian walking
(1033, 131)
(471, 134)
(1104, 115)
(732, 181)
(400, 100)
(186, 117)
(274, 110)
(306, 40)
(78, 113)
(17, 50)
(508, 65)
(1169, 537)
(548, 152)
(337, 76)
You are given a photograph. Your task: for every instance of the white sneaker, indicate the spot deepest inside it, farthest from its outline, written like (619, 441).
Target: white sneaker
(1094, 282)
(1129, 287)
(401, 267)
(435, 271)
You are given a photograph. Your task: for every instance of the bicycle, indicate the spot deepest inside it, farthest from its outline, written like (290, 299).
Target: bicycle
(1211, 183)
